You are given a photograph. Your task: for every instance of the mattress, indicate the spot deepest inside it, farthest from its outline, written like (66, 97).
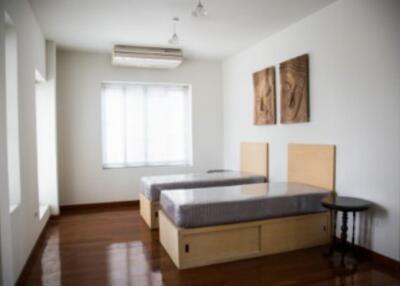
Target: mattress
(234, 204)
(152, 186)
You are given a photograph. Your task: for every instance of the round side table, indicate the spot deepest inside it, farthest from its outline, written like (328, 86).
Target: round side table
(345, 205)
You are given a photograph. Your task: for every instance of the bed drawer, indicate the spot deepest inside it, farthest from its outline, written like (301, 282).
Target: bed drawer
(216, 246)
(293, 233)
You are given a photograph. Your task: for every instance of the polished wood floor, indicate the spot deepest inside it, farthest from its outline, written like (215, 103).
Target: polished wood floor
(116, 248)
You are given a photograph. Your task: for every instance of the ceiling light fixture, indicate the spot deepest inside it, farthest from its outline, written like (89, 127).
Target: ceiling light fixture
(174, 40)
(200, 11)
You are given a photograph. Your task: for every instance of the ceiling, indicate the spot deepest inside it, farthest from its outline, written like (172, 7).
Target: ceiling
(231, 26)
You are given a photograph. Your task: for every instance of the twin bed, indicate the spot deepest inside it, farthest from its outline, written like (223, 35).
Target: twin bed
(226, 205)
(254, 169)
(219, 223)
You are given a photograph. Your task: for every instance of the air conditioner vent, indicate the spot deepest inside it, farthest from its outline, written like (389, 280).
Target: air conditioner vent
(146, 57)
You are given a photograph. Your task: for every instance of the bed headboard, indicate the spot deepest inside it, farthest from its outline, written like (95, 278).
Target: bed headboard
(312, 164)
(254, 158)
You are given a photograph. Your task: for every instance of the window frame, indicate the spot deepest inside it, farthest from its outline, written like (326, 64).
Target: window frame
(188, 163)
(12, 114)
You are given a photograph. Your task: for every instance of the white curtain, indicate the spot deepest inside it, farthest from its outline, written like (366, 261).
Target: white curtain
(146, 125)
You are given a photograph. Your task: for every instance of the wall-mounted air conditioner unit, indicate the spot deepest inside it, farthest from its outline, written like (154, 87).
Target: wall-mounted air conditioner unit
(146, 57)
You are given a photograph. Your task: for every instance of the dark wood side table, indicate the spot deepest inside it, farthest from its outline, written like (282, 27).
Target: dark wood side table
(345, 205)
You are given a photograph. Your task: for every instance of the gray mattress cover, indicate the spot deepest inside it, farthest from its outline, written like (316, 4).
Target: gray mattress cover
(152, 186)
(224, 205)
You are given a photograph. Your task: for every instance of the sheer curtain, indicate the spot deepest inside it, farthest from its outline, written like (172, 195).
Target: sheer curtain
(146, 125)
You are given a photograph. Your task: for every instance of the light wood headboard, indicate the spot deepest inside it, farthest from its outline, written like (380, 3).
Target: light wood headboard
(254, 158)
(312, 164)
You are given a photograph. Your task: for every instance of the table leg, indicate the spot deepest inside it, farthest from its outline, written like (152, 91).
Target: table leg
(334, 227)
(332, 245)
(353, 248)
(343, 236)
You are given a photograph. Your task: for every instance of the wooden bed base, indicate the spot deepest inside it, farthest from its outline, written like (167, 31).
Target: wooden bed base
(253, 159)
(149, 211)
(196, 247)
(308, 164)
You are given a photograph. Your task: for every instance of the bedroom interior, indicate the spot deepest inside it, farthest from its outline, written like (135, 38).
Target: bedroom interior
(186, 142)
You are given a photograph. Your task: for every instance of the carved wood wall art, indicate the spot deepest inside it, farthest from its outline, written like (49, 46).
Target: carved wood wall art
(264, 96)
(294, 90)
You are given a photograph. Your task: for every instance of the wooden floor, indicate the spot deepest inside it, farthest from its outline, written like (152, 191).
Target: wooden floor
(116, 248)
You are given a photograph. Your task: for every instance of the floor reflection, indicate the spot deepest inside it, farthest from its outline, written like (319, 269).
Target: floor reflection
(117, 248)
(129, 260)
(51, 261)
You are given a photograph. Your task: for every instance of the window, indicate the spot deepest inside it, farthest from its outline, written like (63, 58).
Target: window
(11, 79)
(146, 125)
(46, 142)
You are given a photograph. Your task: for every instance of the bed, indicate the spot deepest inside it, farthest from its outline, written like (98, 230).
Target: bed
(254, 169)
(234, 204)
(203, 227)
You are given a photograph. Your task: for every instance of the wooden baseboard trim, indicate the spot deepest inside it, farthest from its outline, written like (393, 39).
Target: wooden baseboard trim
(24, 275)
(109, 206)
(385, 262)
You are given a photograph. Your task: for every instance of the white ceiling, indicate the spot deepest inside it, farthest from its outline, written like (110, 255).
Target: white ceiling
(231, 26)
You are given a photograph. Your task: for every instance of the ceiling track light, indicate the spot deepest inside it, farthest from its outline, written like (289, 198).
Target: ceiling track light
(200, 11)
(174, 40)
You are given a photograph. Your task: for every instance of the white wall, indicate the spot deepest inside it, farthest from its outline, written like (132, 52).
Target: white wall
(79, 75)
(25, 225)
(355, 98)
(46, 134)
(5, 218)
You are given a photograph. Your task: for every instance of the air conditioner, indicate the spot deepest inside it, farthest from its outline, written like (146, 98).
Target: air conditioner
(146, 57)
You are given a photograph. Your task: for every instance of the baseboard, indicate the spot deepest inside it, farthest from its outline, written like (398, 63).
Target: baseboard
(24, 275)
(108, 206)
(385, 262)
